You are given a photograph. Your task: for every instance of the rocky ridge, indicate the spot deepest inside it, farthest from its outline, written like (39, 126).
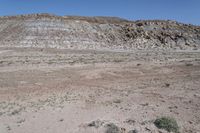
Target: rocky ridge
(96, 33)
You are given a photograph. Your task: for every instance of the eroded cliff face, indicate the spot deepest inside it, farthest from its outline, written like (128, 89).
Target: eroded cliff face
(96, 33)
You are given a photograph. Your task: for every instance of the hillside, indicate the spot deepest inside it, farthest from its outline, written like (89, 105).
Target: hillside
(96, 33)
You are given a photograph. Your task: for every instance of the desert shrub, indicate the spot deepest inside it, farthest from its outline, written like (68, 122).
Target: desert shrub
(96, 124)
(167, 123)
(139, 24)
(112, 128)
(189, 64)
(167, 84)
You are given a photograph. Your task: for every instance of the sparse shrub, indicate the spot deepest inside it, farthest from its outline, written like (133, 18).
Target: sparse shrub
(189, 64)
(130, 121)
(139, 24)
(133, 131)
(15, 112)
(96, 123)
(117, 101)
(167, 123)
(112, 128)
(167, 84)
(117, 60)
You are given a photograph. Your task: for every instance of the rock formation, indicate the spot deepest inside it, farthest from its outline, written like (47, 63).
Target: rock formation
(96, 33)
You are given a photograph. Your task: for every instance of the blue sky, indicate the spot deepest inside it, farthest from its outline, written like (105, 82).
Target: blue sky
(187, 11)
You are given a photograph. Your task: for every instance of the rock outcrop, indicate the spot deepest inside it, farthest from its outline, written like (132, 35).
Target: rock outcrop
(96, 33)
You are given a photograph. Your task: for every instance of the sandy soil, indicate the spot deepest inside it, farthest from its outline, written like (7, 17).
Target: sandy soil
(62, 91)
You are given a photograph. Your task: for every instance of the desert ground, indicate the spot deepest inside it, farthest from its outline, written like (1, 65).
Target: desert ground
(71, 91)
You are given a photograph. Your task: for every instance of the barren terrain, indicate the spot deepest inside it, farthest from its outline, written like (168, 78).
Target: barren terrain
(70, 74)
(71, 91)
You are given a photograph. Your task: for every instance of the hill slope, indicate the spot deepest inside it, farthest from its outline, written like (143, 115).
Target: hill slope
(96, 33)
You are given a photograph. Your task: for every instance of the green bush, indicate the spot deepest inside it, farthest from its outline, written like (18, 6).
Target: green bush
(167, 123)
